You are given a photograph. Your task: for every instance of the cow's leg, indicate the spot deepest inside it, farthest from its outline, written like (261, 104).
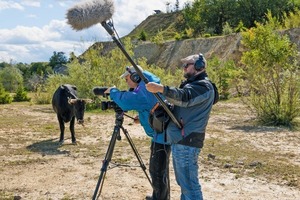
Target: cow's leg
(62, 128)
(72, 130)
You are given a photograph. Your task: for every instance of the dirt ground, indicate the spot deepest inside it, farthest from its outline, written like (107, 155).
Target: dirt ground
(34, 166)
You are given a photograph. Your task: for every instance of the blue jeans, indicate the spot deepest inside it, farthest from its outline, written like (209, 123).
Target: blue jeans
(185, 163)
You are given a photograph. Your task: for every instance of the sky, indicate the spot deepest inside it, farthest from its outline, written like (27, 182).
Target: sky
(31, 30)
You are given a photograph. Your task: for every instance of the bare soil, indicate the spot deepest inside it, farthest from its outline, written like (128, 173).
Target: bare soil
(33, 165)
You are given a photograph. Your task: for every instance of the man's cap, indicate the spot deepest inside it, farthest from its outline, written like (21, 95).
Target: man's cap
(192, 59)
(130, 70)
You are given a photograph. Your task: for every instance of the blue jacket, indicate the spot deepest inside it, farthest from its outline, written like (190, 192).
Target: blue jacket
(142, 101)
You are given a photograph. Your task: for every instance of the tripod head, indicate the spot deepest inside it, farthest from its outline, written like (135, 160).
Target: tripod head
(119, 113)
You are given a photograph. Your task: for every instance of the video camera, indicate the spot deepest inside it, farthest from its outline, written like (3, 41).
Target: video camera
(99, 91)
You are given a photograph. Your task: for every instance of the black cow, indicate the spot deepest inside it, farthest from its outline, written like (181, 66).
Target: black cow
(67, 106)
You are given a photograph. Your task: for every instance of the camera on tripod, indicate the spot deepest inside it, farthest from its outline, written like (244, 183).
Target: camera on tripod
(108, 105)
(99, 91)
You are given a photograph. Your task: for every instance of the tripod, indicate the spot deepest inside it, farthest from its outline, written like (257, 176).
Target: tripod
(116, 136)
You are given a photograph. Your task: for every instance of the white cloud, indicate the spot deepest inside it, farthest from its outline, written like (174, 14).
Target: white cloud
(128, 14)
(27, 35)
(37, 43)
(31, 3)
(33, 44)
(10, 5)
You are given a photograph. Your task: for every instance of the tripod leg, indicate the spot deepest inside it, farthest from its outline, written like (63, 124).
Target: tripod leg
(106, 160)
(136, 154)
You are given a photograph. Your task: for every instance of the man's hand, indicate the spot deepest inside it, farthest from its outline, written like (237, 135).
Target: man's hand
(154, 87)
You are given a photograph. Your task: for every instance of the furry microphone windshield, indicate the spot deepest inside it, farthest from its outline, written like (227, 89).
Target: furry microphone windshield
(88, 13)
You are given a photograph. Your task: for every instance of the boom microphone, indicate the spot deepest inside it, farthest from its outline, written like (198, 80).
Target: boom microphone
(88, 13)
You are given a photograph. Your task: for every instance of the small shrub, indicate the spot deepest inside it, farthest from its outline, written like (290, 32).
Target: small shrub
(42, 97)
(227, 30)
(158, 39)
(5, 98)
(143, 36)
(21, 95)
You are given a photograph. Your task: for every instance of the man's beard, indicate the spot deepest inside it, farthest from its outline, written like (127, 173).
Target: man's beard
(188, 75)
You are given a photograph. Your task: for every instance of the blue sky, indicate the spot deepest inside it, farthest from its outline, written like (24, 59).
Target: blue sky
(31, 30)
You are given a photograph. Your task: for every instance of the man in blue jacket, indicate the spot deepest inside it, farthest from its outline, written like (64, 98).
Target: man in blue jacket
(193, 102)
(139, 99)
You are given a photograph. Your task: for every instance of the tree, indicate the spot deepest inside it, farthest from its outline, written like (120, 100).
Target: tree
(192, 17)
(11, 77)
(272, 74)
(57, 58)
(143, 35)
(40, 68)
(210, 16)
(21, 95)
(222, 74)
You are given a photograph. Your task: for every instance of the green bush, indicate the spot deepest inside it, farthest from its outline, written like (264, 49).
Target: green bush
(227, 30)
(143, 36)
(42, 96)
(21, 95)
(5, 97)
(271, 74)
(223, 75)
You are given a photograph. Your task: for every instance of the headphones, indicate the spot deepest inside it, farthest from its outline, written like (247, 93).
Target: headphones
(200, 63)
(133, 76)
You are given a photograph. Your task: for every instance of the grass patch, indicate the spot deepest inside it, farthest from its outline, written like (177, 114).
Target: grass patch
(243, 159)
(28, 161)
(6, 195)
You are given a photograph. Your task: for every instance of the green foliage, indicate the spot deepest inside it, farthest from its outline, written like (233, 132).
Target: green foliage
(187, 33)
(57, 58)
(143, 36)
(3, 65)
(41, 96)
(227, 30)
(11, 77)
(222, 74)
(203, 15)
(5, 98)
(240, 27)
(95, 71)
(292, 19)
(192, 18)
(158, 38)
(271, 74)
(167, 77)
(21, 95)
(40, 68)
(102, 71)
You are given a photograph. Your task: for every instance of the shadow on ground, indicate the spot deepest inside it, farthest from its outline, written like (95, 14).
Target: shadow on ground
(47, 147)
(256, 129)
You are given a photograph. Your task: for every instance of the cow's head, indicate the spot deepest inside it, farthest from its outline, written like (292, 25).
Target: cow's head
(79, 105)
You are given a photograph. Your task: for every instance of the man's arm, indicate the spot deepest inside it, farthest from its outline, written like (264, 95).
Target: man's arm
(155, 87)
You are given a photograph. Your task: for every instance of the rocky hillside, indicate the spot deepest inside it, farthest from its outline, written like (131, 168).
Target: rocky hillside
(162, 22)
(168, 54)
